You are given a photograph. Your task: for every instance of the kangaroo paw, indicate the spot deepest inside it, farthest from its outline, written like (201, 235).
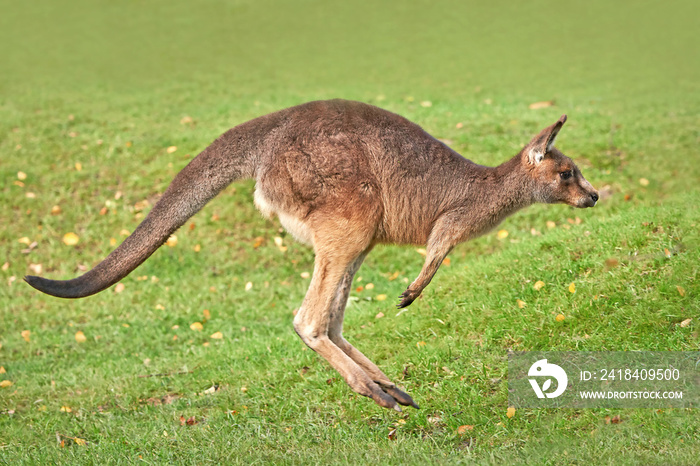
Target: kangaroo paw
(407, 297)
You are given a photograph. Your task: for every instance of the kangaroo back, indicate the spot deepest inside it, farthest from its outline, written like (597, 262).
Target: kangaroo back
(231, 157)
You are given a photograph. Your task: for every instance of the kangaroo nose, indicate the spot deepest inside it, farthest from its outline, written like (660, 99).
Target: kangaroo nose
(594, 196)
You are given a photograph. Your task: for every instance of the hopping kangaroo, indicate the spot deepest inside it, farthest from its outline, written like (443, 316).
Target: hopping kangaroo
(343, 177)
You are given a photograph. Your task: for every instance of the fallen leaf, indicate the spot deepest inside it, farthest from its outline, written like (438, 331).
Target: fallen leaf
(124, 232)
(278, 241)
(70, 239)
(420, 343)
(80, 337)
(192, 421)
(119, 288)
(26, 334)
(249, 286)
(197, 248)
(206, 314)
(172, 241)
(24, 240)
(379, 315)
(21, 176)
(79, 441)
(521, 303)
(616, 419)
(683, 324)
(681, 290)
(66, 409)
(369, 286)
(5, 383)
(510, 412)
(392, 434)
(171, 149)
(551, 224)
(2, 369)
(211, 390)
(258, 242)
(426, 103)
(36, 268)
(611, 263)
(197, 326)
(217, 336)
(78, 166)
(422, 252)
(560, 318)
(539, 284)
(380, 297)
(446, 261)
(461, 430)
(305, 275)
(667, 253)
(502, 234)
(572, 287)
(186, 120)
(644, 182)
(543, 104)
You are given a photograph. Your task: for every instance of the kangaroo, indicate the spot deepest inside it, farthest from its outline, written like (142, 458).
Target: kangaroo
(342, 177)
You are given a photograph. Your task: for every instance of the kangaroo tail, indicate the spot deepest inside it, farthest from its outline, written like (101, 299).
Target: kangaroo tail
(229, 158)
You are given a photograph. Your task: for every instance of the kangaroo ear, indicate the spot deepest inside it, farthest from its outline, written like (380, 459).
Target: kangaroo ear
(543, 142)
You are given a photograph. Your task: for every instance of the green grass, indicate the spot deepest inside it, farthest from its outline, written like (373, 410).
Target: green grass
(83, 73)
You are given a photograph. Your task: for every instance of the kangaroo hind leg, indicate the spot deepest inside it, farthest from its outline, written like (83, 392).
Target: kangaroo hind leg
(335, 332)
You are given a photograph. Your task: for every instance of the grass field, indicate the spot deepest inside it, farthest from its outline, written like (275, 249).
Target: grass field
(93, 94)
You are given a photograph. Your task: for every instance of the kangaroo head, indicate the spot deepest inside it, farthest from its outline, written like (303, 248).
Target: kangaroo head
(555, 177)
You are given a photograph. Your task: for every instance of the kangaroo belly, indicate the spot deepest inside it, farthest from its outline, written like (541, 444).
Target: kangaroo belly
(292, 223)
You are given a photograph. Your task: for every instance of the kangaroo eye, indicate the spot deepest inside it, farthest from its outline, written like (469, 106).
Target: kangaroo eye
(566, 175)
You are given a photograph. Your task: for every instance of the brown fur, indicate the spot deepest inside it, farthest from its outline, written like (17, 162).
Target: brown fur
(342, 177)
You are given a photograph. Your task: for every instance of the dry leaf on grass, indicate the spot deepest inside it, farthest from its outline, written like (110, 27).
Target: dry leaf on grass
(572, 287)
(70, 239)
(461, 430)
(197, 326)
(521, 303)
(80, 337)
(171, 149)
(5, 384)
(502, 234)
(172, 241)
(119, 288)
(543, 104)
(539, 284)
(26, 334)
(685, 323)
(560, 318)
(510, 412)
(681, 290)
(217, 336)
